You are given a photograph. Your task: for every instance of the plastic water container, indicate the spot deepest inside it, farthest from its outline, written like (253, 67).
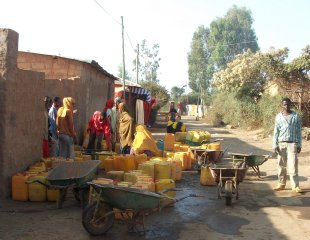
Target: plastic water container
(160, 144)
(164, 184)
(37, 191)
(169, 142)
(183, 157)
(119, 162)
(140, 158)
(102, 158)
(206, 177)
(162, 170)
(20, 187)
(108, 164)
(129, 163)
(52, 194)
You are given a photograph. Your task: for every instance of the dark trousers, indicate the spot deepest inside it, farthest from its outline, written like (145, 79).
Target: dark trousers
(92, 139)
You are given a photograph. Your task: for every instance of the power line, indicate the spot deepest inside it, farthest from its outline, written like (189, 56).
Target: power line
(107, 12)
(116, 22)
(231, 44)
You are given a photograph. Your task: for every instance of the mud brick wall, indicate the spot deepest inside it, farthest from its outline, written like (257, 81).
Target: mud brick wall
(65, 77)
(21, 108)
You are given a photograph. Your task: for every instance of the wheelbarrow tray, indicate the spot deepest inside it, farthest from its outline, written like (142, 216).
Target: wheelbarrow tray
(78, 173)
(256, 160)
(127, 198)
(228, 172)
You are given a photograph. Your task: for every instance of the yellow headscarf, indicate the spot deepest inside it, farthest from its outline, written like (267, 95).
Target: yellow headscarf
(67, 105)
(144, 141)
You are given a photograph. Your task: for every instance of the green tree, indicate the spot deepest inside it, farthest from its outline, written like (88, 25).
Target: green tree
(248, 73)
(120, 72)
(148, 62)
(299, 68)
(199, 69)
(157, 91)
(177, 92)
(231, 35)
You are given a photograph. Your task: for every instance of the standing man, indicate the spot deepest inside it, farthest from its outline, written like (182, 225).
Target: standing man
(52, 115)
(287, 144)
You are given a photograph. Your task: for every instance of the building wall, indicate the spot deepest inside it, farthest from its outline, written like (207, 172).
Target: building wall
(25, 78)
(88, 85)
(21, 111)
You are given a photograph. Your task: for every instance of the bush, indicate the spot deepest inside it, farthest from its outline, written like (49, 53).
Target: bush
(244, 112)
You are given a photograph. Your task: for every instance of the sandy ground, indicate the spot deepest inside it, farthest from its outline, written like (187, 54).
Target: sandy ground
(260, 213)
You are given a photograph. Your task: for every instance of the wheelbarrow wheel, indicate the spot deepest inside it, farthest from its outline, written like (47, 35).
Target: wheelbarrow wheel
(228, 192)
(95, 223)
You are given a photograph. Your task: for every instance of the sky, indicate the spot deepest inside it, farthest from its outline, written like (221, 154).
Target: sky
(91, 29)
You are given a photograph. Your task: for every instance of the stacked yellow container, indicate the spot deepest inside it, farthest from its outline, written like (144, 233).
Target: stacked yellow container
(169, 142)
(168, 154)
(102, 159)
(37, 192)
(162, 170)
(117, 176)
(176, 169)
(119, 162)
(183, 157)
(129, 163)
(108, 164)
(164, 184)
(20, 187)
(147, 168)
(140, 158)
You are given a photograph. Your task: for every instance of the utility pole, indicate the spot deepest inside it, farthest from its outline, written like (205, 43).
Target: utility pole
(137, 64)
(123, 74)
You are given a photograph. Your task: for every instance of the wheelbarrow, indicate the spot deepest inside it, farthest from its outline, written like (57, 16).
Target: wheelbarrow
(75, 175)
(133, 205)
(250, 160)
(228, 179)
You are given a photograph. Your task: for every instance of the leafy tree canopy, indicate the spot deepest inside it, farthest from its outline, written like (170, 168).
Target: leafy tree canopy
(231, 35)
(148, 62)
(248, 73)
(159, 92)
(177, 92)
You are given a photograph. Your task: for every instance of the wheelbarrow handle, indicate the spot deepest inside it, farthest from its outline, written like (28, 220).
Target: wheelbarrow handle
(49, 185)
(38, 181)
(170, 189)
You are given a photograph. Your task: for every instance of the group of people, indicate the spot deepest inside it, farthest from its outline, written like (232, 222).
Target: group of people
(114, 124)
(59, 131)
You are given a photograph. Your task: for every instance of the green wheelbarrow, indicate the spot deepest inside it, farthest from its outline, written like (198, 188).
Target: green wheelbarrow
(249, 160)
(132, 204)
(71, 175)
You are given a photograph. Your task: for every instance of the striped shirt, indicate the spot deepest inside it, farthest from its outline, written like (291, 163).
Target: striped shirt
(285, 131)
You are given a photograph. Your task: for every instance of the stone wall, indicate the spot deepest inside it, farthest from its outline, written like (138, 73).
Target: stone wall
(21, 111)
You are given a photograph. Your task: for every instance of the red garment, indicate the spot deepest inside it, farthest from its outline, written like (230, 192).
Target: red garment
(147, 109)
(95, 124)
(109, 105)
(100, 126)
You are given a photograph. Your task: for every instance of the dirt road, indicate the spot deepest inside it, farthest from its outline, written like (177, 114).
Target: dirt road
(259, 213)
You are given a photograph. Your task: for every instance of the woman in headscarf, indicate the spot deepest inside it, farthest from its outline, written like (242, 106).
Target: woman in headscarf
(126, 128)
(65, 128)
(144, 142)
(98, 126)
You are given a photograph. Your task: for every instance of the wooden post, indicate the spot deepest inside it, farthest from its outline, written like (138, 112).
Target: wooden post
(123, 74)
(137, 64)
